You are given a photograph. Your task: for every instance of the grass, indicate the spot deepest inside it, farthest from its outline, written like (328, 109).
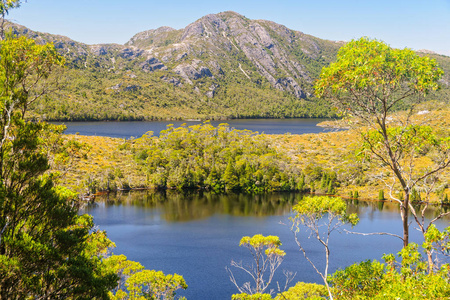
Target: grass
(109, 162)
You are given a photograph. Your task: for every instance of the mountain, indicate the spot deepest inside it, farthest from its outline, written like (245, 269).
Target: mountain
(221, 66)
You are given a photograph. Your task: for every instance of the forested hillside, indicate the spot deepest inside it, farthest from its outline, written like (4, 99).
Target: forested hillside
(221, 66)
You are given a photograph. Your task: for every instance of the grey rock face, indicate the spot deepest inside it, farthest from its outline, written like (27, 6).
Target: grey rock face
(215, 46)
(192, 71)
(129, 53)
(212, 91)
(132, 88)
(152, 64)
(149, 35)
(267, 47)
(289, 84)
(98, 50)
(116, 87)
(171, 80)
(222, 33)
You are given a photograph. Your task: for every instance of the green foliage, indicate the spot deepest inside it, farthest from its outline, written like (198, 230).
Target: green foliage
(312, 209)
(303, 290)
(392, 280)
(259, 244)
(370, 80)
(407, 143)
(415, 196)
(445, 199)
(149, 284)
(267, 256)
(215, 158)
(381, 195)
(368, 72)
(257, 296)
(436, 240)
(46, 249)
(6, 5)
(363, 278)
(309, 213)
(137, 283)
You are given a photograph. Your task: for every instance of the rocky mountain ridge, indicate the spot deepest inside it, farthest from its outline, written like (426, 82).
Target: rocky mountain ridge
(266, 46)
(220, 66)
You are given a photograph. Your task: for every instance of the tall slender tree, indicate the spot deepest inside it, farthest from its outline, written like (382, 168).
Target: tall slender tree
(369, 81)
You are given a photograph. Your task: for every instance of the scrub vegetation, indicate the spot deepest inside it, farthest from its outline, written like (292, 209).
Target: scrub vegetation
(49, 251)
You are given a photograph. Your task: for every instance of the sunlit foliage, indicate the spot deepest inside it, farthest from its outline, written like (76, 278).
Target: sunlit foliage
(215, 158)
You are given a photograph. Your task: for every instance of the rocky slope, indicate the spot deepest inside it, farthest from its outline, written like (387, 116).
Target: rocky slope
(228, 42)
(221, 66)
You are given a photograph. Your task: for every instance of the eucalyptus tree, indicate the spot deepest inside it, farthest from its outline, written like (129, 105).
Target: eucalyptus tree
(5, 7)
(320, 216)
(371, 80)
(267, 256)
(404, 277)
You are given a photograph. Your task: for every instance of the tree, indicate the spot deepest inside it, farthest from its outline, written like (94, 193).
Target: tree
(5, 6)
(257, 296)
(303, 290)
(47, 251)
(369, 81)
(408, 279)
(154, 285)
(309, 212)
(267, 255)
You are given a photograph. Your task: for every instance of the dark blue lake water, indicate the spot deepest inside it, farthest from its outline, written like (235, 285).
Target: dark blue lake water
(197, 235)
(137, 129)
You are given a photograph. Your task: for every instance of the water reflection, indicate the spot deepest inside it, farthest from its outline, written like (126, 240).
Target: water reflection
(188, 206)
(176, 206)
(197, 234)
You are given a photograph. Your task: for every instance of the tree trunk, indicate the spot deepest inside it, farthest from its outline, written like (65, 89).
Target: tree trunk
(405, 215)
(430, 262)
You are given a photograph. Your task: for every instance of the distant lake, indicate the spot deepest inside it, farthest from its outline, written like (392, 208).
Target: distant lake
(197, 234)
(137, 129)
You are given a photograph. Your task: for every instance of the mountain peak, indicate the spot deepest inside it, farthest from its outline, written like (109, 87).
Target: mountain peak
(229, 14)
(222, 65)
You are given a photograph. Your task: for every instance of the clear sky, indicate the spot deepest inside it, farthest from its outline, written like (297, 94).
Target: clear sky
(416, 24)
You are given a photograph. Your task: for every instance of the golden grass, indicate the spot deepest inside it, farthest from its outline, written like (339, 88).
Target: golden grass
(108, 161)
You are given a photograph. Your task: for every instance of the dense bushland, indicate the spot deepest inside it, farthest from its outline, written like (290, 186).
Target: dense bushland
(215, 158)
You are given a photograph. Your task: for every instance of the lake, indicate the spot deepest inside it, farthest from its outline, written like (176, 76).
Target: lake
(197, 235)
(137, 129)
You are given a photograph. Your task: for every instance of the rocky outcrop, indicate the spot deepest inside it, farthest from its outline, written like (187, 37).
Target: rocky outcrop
(129, 53)
(289, 84)
(129, 88)
(220, 34)
(171, 80)
(98, 50)
(214, 47)
(150, 36)
(192, 71)
(212, 91)
(132, 88)
(152, 64)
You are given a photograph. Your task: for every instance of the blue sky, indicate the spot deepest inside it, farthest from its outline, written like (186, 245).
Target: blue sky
(417, 24)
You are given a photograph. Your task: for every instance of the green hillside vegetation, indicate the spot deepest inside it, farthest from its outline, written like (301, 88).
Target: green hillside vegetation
(322, 163)
(101, 94)
(214, 158)
(330, 156)
(48, 250)
(218, 67)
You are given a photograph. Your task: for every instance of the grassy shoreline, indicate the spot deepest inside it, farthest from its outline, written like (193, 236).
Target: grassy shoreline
(110, 164)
